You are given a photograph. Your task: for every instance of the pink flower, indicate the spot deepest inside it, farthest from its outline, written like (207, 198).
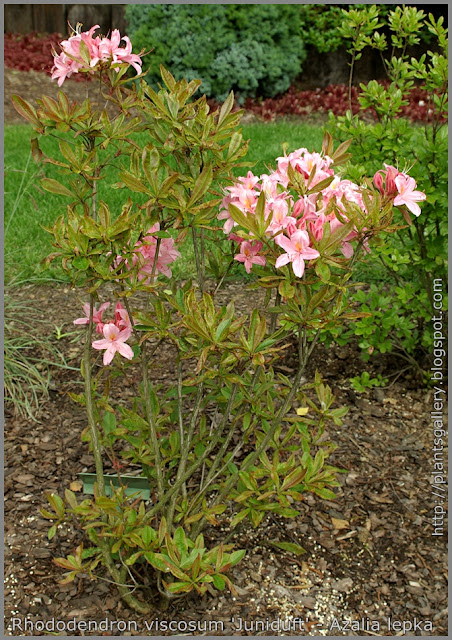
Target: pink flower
(280, 219)
(297, 251)
(100, 50)
(250, 181)
(389, 188)
(145, 255)
(233, 237)
(114, 341)
(317, 227)
(110, 49)
(247, 198)
(248, 254)
(97, 316)
(407, 195)
(122, 320)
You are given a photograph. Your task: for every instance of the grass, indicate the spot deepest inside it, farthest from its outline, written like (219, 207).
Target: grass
(28, 207)
(28, 355)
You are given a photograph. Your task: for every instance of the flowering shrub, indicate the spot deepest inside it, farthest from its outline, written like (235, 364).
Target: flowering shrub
(228, 439)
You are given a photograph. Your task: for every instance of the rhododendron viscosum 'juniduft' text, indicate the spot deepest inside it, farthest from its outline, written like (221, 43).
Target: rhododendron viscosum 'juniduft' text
(83, 52)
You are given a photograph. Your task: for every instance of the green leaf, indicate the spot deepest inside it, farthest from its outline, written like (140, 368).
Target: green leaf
(239, 517)
(323, 271)
(84, 52)
(25, 109)
(219, 582)
(133, 183)
(236, 556)
(158, 561)
(168, 78)
(80, 263)
(133, 558)
(52, 531)
(289, 546)
(326, 494)
(179, 587)
(148, 535)
(201, 185)
(49, 184)
(234, 145)
(226, 107)
(180, 540)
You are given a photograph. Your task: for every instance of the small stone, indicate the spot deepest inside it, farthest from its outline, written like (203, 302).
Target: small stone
(343, 585)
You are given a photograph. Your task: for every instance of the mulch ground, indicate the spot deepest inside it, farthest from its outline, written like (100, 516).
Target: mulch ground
(370, 554)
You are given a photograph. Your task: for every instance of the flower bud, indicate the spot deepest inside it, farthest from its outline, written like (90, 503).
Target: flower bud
(378, 182)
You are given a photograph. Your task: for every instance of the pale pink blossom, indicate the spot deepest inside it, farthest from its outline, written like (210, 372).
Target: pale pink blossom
(145, 254)
(248, 255)
(247, 198)
(297, 251)
(114, 341)
(122, 319)
(316, 227)
(233, 237)
(250, 181)
(99, 50)
(280, 219)
(97, 316)
(407, 195)
(109, 49)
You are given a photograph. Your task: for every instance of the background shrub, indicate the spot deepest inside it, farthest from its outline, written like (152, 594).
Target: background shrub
(255, 50)
(402, 299)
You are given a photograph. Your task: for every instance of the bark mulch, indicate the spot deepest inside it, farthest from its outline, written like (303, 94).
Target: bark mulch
(370, 554)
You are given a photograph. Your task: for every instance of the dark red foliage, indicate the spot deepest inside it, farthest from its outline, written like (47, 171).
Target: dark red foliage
(332, 98)
(33, 52)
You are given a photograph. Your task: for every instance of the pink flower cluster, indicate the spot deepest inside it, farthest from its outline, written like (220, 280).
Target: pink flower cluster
(298, 222)
(395, 184)
(115, 333)
(73, 57)
(144, 255)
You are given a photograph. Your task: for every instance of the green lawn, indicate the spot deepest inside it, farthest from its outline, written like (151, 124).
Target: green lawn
(27, 206)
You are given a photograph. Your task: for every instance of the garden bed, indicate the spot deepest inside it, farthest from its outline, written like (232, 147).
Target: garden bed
(369, 555)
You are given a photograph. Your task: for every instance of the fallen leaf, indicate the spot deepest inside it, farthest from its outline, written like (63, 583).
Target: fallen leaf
(340, 524)
(76, 485)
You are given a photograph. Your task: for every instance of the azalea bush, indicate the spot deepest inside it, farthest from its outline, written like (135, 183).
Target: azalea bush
(227, 440)
(401, 302)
